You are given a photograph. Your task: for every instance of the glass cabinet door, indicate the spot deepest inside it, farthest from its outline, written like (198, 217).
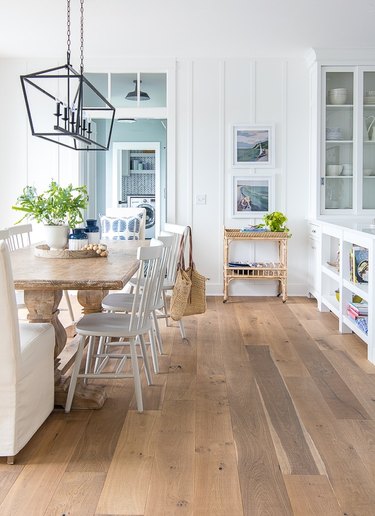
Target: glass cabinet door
(368, 162)
(338, 124)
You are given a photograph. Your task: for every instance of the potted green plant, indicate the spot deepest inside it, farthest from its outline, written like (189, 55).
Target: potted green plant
(58, 208)
(275, 221)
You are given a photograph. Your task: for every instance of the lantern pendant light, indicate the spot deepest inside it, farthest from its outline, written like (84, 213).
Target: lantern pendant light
(61, 104)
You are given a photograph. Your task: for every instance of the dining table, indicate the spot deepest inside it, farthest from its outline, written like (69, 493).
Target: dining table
(44, 277)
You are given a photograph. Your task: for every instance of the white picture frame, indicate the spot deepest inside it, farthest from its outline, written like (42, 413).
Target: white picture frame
(254, 146)
(252, 196)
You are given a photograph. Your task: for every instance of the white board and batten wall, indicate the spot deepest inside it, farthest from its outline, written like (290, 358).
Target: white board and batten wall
(212, 95)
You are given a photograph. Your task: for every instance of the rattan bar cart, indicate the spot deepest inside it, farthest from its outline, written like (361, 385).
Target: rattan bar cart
(256, 270)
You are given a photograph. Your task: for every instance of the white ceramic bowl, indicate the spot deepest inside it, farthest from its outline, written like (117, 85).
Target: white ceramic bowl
(337, 99)
(334, 170)
(347, 169)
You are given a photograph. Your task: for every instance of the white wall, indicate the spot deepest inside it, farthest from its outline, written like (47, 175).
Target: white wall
(212, 96)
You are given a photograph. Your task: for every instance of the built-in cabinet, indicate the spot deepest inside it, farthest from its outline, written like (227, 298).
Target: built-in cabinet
(337, 277)
(313, 269)
(342, 136)
(347, 173)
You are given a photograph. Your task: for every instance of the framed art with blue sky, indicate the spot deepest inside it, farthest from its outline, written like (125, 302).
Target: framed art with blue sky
(253, 196)
(254, 146)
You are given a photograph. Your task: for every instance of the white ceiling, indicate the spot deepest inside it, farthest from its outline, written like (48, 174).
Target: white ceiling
(186, 28)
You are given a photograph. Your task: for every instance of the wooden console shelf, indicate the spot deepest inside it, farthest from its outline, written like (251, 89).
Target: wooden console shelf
(256, 270)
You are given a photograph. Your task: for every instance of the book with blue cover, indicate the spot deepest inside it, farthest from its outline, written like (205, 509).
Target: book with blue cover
(360, 264)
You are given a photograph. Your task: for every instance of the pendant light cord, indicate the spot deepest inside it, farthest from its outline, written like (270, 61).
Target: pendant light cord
(68, 42)
(81, 46)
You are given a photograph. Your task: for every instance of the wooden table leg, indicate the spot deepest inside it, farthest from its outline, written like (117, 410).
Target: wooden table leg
(42, 306)
(86, 396)
(91, 300)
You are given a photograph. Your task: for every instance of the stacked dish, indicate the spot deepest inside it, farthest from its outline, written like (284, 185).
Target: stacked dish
(369, 97)
(333, 133)
(337, 96)
(334, 170)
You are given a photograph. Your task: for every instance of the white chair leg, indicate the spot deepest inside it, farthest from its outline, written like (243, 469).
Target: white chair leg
(154, 354)
(182, 329)
(165, 308)
(137, 379)
(98, 351)
(69, 304)
(73, 379)
(145, 359)
(159, 340)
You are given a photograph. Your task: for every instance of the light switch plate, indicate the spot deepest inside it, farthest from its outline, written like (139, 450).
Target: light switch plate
(200, 199)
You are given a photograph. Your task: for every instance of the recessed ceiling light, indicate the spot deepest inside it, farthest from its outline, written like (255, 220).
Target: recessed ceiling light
(126, 120)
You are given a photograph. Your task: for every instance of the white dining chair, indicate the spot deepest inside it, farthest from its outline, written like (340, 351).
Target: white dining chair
(4, 235)
(131, 326)
(180, 235)
(20, 236)
(123, 302)
(26, 369)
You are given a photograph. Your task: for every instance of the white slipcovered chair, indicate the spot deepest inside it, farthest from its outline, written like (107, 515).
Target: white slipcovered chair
(130, 326)
(26, 369)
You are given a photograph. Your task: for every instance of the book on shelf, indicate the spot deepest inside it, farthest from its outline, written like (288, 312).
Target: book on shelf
(255, 265)
(354, 315)
(359, 264)
(358, 308)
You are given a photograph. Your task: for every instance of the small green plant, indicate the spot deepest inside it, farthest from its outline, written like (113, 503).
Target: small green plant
(275, 221)
(56, 206)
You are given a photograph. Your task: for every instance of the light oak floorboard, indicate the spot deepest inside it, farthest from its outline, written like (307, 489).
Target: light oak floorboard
(125, 488)
(259, 390)
(171, 486)
(311, 495)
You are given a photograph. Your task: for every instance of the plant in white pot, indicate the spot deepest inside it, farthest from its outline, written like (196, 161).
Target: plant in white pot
(58, 208)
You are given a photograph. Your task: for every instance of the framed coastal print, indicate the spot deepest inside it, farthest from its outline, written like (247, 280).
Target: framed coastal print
(253, 196)
(253, 146)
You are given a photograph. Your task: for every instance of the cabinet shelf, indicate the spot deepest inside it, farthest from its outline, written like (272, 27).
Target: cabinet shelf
(339, 141)
(360, 289)
(339, 177)
(356, 329)
(330, 271)
(345, 237)
(331, 303)
(339, 106)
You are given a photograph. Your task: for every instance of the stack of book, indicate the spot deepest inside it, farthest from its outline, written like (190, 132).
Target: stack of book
(359, 313)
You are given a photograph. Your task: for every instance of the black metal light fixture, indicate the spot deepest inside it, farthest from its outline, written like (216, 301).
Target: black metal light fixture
(133, 95)
(61, 104)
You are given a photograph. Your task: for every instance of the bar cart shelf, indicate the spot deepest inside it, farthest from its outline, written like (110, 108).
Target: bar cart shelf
(256, 270)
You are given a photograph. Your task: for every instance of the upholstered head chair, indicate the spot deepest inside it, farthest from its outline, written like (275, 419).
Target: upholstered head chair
(26, 369)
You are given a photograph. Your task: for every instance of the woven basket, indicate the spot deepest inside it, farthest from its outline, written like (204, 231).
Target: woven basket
(180, 295)
(197, 300)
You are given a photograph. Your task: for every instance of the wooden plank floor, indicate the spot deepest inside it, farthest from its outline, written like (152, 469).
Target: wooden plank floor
(266, 410)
